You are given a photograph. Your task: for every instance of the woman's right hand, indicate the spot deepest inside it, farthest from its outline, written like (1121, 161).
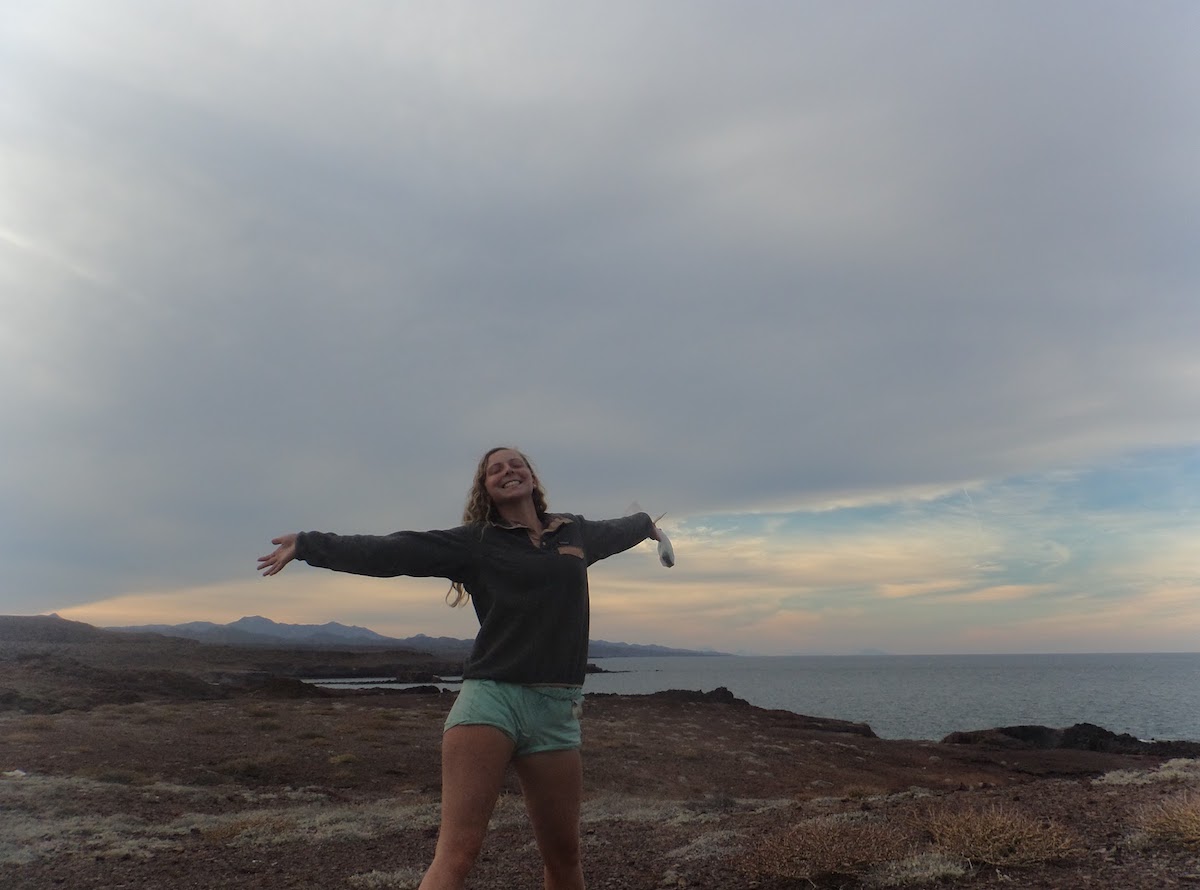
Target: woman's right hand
(273, 563)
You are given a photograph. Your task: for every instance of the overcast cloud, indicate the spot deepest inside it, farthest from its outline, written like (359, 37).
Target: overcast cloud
(892, 307)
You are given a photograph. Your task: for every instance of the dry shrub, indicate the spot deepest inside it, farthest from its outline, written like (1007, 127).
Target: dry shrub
(1001, 836)
(320, 823)
(861, 792)
(921, 869)
(828, 845)
(1175, 821)
(1181, 770)
(257, 824)
(401, 879)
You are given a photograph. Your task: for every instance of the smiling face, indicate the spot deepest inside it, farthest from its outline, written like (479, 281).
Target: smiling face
(507, 477)
(504, 482)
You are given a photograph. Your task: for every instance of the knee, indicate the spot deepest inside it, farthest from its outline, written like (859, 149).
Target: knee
(456, 853)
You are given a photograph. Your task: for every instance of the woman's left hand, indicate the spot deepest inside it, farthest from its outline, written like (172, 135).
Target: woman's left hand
(273, 563)
(666, 553)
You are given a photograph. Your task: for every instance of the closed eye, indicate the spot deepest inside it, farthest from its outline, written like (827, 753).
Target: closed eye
(516, 463)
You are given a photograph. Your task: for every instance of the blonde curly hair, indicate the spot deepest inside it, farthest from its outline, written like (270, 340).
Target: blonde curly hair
(480, 510)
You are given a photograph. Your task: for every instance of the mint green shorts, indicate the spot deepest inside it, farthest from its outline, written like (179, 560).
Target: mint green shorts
(536, 718)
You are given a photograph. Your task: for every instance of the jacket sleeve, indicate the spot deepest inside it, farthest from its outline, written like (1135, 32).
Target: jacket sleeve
(604, 537)
(434, 554)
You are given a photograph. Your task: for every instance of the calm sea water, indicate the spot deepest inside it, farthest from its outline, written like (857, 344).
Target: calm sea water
(928, 696)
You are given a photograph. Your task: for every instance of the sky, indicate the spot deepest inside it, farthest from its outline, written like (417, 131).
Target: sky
(893, 309)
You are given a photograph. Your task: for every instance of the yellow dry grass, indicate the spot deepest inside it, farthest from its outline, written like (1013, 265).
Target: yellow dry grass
(1175, 821)
(829, 845)
(1001, 836)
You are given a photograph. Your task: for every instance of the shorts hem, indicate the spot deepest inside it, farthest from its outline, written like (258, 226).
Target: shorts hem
(508, 735)
(545, 749)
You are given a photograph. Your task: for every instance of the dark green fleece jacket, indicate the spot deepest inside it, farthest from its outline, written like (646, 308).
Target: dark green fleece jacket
(531, 600)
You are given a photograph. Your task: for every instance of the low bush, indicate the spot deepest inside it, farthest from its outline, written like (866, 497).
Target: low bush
(919, 870)
(1000, 836)
(257, 824)
(1175, 821)
(402, 879)
(829, 845)
(1181, 770)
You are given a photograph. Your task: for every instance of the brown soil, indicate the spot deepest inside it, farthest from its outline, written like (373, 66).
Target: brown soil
(158, 775)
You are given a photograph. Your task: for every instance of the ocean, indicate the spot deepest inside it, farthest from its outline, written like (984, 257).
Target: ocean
(1151, 696)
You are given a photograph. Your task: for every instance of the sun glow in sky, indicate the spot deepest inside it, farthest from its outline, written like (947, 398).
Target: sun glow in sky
(892, 308)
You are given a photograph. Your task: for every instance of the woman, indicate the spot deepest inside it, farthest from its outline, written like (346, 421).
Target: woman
(525, 571)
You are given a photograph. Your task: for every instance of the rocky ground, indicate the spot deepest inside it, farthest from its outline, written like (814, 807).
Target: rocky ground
(146, 764)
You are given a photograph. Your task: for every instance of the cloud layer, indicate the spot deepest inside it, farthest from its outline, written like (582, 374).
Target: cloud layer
(262, 272)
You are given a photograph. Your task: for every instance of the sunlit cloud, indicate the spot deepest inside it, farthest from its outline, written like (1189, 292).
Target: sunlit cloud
(815, 581)
(1158, 619)
(920, 588)
(1000, 593)
(394, 607)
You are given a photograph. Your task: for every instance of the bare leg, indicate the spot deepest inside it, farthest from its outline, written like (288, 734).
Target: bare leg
(552, 783)
(473, 763)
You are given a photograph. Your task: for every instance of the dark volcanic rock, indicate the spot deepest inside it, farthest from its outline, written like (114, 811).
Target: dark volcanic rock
(265, 685)
(1080, 737)
(720, 694)
(1022, 737)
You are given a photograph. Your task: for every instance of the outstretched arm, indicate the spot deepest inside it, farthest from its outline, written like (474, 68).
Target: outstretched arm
(439, 554)
(605, 537)
(273, 563)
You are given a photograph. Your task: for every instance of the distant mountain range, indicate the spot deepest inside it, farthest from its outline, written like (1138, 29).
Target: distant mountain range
(258, 631)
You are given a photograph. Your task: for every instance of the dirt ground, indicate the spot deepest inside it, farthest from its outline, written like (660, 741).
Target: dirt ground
(273, 785)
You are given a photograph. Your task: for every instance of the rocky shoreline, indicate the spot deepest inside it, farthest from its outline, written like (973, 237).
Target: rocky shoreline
(151, 763)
